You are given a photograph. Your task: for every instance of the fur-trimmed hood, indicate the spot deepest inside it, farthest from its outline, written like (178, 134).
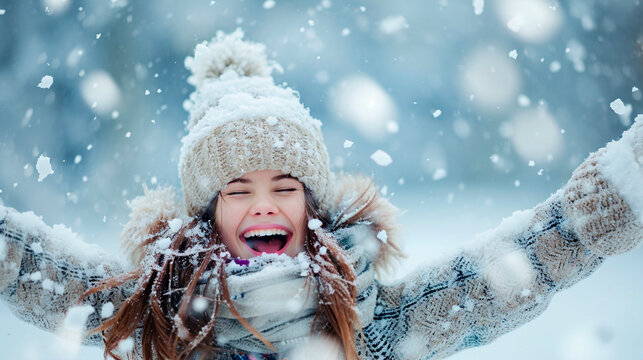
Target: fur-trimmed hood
(159, 209)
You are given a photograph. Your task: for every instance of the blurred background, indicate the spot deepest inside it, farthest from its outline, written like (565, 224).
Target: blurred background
(484, 107)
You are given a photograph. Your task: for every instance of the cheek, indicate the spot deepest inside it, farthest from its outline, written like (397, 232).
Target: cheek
(297, 214)
(228, 217)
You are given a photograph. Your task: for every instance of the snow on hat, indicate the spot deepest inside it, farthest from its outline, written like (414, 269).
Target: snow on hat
(240, 122)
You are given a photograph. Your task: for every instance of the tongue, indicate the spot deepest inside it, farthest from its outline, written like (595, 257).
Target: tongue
(271, 246)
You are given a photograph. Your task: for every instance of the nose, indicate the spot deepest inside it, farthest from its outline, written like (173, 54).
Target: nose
(263, 205)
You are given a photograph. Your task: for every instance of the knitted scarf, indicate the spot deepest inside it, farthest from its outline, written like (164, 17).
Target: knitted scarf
(273, 294)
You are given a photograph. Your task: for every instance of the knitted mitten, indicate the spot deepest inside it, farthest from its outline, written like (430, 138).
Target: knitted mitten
(605, 195)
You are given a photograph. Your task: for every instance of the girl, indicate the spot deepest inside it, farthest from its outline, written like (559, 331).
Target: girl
(271, 251)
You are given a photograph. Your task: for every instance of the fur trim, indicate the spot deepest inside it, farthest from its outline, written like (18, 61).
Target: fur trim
(150, 214)
(352, 195)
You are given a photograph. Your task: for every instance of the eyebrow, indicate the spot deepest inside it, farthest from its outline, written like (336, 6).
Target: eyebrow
(283, 176)
(275, 178)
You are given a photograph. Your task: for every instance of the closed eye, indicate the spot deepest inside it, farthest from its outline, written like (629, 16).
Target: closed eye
(238, 193)
(287, 190)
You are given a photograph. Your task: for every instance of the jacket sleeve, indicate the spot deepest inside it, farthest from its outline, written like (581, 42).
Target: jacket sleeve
(44, 271)
(509, 275)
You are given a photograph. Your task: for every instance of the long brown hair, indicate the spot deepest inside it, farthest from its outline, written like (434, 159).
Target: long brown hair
(159, 315)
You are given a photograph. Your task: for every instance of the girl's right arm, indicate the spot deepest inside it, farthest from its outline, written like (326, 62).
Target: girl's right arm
(509, 276)
(44, 271)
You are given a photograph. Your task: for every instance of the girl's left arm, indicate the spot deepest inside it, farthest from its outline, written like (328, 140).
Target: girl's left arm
(510, 274)
(44, 271)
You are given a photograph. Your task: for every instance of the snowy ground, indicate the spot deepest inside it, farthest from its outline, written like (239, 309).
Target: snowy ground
(598, 319)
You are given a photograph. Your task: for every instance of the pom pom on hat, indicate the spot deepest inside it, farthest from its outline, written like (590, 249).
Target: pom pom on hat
(227, 53)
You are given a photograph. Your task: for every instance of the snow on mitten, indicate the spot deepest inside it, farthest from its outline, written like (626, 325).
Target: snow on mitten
(637, 133)
(604, 198)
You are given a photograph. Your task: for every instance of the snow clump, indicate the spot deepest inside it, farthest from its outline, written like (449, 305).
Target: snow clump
(43, 165)
(3, 250)
(516, 23)
(618, 106)
(76, 318)
(478, 7)
(163, 243)
(382, 236)
(393, 24)
(381, 158)
(314, 224)
(35, 276)
(268, 4)
(126, 346)
(48, 285)
(45, 82)
(439, 174)
(200, 304)
(513, 54)
(175, 225)
(271, 120)
(36, 248)
(107, 310)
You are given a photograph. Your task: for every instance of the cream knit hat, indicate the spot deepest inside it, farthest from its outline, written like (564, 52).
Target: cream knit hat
(240, 122)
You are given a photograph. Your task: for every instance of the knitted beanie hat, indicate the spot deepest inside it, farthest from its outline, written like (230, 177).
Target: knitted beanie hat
(240, 122)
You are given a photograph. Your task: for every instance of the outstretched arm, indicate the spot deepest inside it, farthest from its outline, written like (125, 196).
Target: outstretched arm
(511, 273)
(44, 271)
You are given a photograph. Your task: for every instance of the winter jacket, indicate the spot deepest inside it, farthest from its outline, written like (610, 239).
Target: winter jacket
(506, 278)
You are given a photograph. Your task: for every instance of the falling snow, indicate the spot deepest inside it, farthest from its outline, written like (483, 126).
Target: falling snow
(43, 166)
(393, 24)
(439, 174)
(381, 158)
(478, 7)
(269, 4)
(45, 82)
(513, 54)
(618, 106)
(516, 23)
(314, 224)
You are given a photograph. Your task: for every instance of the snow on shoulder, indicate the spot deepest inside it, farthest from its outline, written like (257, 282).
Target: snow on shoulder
(58, 239)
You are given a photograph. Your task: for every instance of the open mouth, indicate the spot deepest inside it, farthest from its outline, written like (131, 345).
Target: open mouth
(269, 240)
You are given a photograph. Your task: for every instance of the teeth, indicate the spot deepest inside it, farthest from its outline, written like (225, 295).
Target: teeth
(265, 232)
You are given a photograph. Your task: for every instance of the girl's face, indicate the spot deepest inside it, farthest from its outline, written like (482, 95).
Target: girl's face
(262, 212)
